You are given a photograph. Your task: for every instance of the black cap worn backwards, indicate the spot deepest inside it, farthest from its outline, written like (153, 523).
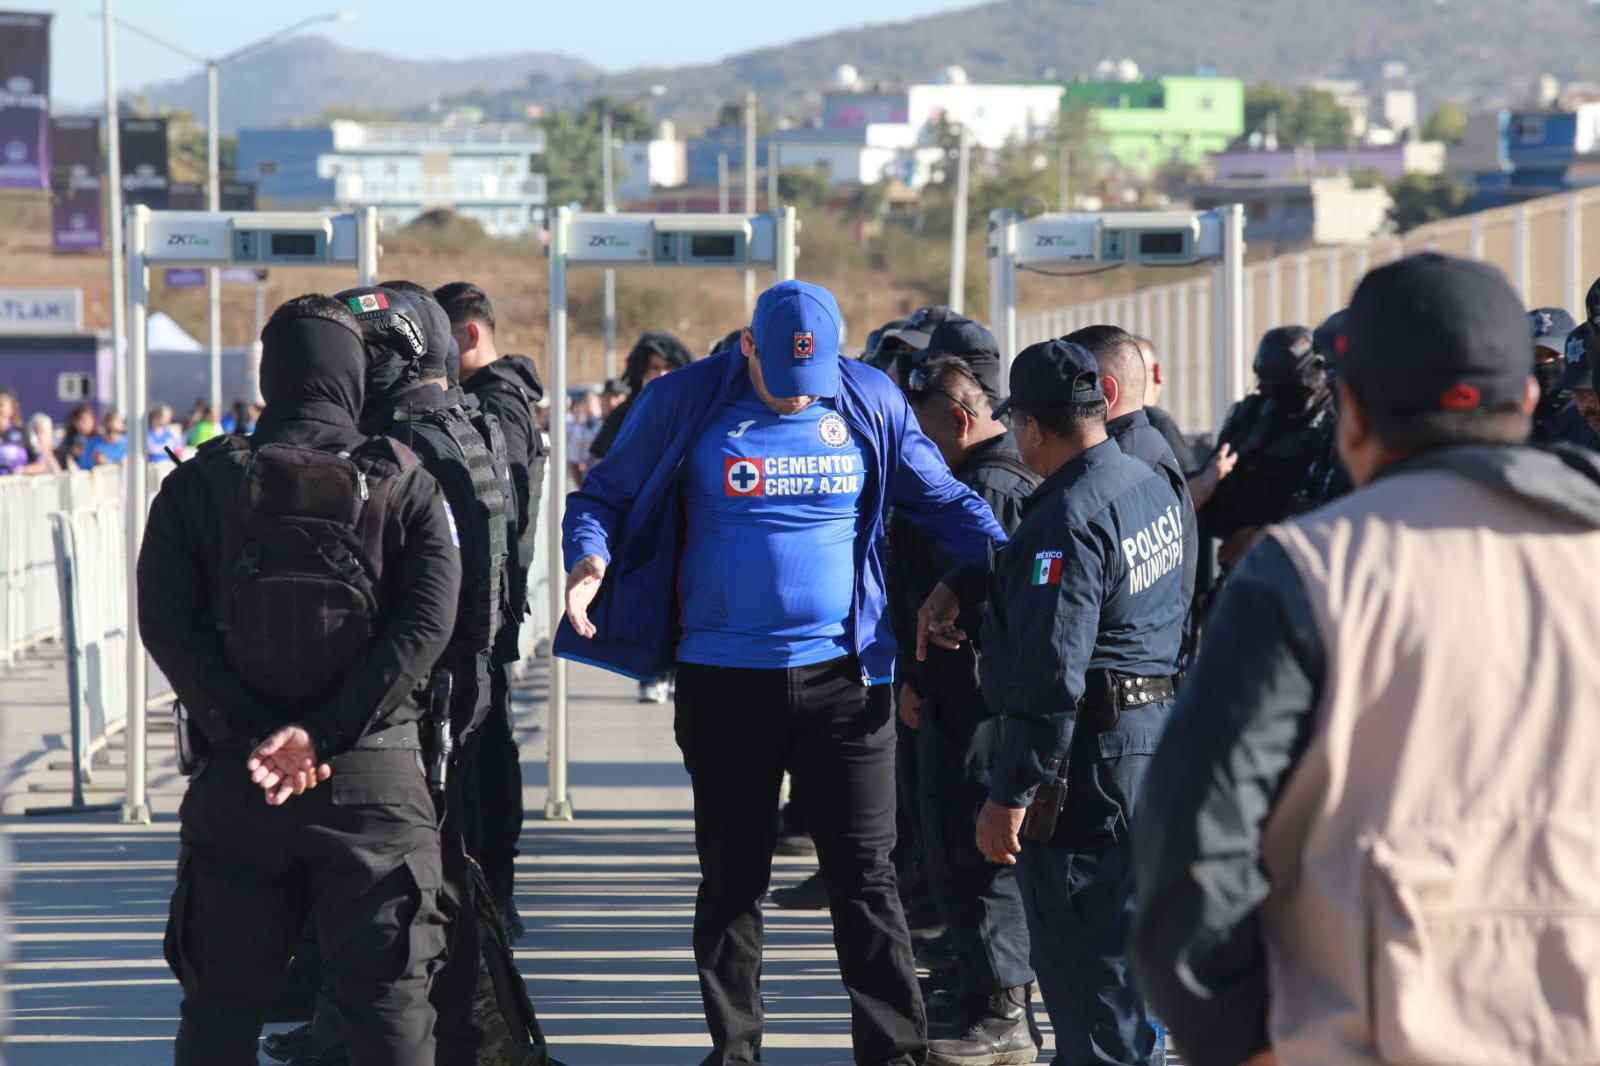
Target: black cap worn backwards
(1282, 354)
(970, 342)
(435, 327)
(1053, 373)
(1550, 326)
(1582, 346)
(1435, 333)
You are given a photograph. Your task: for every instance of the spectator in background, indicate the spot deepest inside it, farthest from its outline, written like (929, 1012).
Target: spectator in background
(583, 422)
(14, 451)
(80, 426)
(205, 422)
(241, 417)
(614, 396)
(655, 353)
(42, 439)
(108, 446)
(163, 436)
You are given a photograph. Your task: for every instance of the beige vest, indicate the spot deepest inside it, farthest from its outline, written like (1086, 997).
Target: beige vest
(1435, 855)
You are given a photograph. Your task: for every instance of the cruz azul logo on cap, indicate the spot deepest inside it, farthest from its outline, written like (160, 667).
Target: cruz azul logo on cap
(372, 301)
(1046, 569)
(805, 345)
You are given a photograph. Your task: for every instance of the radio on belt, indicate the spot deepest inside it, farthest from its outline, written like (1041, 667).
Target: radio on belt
(690, 241)
(266, 238)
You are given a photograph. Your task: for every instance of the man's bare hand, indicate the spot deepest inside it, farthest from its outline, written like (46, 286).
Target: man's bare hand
(285, 765)
(910, 706)
(997, 832)
(936, 621)
(583, 584)
(1224, 461)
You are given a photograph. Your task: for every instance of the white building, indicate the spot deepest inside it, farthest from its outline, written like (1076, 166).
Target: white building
(869, 135)
(659, 163)
(489, 173)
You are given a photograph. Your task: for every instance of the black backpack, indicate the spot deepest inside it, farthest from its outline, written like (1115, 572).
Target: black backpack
(298, 586)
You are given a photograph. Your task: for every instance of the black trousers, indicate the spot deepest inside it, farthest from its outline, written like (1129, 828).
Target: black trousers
(958, 740)
(361, 852)
(492, 811)
(739, 730)
(455, 986)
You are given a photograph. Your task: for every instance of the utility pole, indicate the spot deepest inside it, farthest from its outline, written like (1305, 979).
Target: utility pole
(749, 191)
(119, 310)
(958, 227)
(722, 182)
(214, 203)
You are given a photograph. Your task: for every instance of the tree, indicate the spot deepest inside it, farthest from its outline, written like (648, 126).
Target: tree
(1448, 123)
(1423, 198)
(1307, 117)
(802, 185)
(572, 149)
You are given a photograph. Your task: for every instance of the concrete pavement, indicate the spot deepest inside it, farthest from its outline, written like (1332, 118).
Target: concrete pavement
(608, 899)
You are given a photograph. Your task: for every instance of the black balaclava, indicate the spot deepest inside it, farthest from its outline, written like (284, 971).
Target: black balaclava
(312, 368)
(653, 342)
(396, 342)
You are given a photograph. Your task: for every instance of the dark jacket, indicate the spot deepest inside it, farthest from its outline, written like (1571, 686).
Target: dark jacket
(1277, 451)
(629, 512)
(180, 558)
(1168, 429)
(1566, 426)
(651, 343)
(1137, 435)
(509, 388)
(1092, 579)
(1247, 711)
(996, 473)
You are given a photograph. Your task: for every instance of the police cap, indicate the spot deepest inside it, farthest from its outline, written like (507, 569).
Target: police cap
(1550, 326)
(1580, 353)
(1325, 339)
(1053, 373)
(974, 345)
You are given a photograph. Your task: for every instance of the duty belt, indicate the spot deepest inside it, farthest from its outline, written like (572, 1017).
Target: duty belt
(395, 738)
(1106, 694)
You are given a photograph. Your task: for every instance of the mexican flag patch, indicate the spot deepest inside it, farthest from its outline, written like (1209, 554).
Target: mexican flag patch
(1046, 569)
(372, 301)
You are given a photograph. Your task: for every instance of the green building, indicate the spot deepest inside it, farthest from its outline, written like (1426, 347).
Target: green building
(1145, 124)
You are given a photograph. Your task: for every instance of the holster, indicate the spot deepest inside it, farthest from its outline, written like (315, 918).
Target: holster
(193, 746)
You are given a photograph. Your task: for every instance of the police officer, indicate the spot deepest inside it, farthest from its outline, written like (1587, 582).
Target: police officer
(296, 658)
(1277, 432)
(507, 388)
(407, 400)
(1081, 643)
(1568, 423)
(954, 387)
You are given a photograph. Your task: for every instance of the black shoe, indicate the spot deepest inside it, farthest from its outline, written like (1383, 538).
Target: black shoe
(297, 991)
(938, 981)
(512, 920)
(996, 1034)
(286, 1045)
(799, 844)
(336, 1057)
(809, 895)
(946, 1009)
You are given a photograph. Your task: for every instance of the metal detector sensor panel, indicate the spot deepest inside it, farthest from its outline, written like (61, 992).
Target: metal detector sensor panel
(672, 240)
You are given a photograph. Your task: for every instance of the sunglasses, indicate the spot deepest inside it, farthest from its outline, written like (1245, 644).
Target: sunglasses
(921, 382)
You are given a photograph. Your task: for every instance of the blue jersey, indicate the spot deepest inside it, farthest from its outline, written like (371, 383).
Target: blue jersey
(771, 504)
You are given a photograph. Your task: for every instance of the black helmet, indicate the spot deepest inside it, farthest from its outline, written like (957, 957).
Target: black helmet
(1283, 355)
(396, 339)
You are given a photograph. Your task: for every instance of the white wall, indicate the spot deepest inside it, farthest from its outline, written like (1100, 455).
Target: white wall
(996, 115)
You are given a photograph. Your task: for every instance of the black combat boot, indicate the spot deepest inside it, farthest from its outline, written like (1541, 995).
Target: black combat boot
(809, 895)
(996, 1034)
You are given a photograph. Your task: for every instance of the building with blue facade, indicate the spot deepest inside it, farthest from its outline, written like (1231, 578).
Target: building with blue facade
(492, 174)
(1511, 155)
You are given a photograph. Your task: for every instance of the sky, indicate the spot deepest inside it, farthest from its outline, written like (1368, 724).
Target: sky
(611, 34)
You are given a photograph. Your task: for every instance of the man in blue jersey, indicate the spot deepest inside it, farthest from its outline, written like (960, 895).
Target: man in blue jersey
(735, 531)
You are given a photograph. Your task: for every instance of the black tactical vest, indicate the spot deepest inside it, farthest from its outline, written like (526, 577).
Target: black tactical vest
(452, 451)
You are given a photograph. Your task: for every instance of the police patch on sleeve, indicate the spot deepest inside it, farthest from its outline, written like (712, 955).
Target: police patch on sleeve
(833, 431)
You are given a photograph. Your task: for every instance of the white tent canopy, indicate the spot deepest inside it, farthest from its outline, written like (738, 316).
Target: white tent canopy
(165, 335)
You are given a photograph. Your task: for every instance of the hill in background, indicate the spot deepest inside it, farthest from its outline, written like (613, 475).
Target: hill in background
(1476, 52)
(305, 77)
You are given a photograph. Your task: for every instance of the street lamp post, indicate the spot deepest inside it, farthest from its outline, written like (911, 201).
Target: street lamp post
(119, 324)
(213, 162)
(607, 147)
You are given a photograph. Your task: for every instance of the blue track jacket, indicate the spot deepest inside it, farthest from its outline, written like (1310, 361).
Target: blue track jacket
(629, 513)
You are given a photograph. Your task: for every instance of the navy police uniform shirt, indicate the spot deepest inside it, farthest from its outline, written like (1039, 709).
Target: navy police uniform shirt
(1138, 436)
(771, 504)
(1093, 579)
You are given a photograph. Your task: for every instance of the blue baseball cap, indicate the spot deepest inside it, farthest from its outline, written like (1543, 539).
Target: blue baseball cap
(1053, 374)
(798, 328)
(1550, 326)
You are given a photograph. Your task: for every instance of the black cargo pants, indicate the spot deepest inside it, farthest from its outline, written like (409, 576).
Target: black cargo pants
(361, 852)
